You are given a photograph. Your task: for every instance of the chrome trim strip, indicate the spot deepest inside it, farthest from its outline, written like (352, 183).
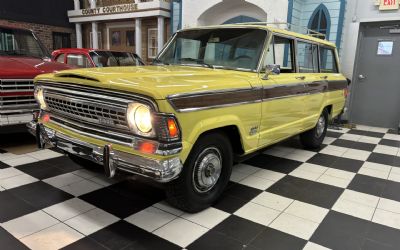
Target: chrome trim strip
(210, 92)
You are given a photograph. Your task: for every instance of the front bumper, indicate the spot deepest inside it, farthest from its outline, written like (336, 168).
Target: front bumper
(112, 160)
(15, 119)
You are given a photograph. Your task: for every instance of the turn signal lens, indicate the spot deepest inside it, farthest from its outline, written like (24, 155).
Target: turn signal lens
(147, 147)
(172, 128)
(346, 92)
(46, 118)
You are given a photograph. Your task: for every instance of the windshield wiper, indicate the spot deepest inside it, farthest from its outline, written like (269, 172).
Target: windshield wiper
(198, 61)
(157, 61)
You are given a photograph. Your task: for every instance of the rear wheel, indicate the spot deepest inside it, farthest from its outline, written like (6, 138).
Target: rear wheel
(204, 176)
(313, 138)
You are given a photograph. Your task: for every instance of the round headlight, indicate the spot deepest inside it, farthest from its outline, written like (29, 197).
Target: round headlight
(40, 98)
(139, 116)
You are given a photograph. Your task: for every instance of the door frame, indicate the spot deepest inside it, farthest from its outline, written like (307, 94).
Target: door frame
(117, 25)
(354, 79)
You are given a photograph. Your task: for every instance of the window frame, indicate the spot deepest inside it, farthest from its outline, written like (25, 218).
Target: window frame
(318, 55)
(270, 41)
(85, 57)
(148, 43)
(334, 57)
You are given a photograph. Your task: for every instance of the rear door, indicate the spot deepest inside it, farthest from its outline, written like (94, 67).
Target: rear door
(283, 99)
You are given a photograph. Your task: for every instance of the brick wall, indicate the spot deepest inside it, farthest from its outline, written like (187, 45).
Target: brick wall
(43, 32)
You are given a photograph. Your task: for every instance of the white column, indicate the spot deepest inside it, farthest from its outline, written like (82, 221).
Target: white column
(95, 41)
(160, 35)
(138, 36)
(77, 5)
(78, 28)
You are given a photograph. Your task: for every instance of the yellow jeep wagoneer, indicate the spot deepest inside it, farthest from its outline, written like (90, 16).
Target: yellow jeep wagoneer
(214, 94)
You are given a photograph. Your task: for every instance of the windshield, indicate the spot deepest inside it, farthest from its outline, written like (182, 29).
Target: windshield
(15, 42)
(230, 48)
(113, 59)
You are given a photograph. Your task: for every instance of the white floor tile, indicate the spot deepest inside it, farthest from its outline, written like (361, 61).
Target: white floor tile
(300, 155)
(84, 173)
(350, 137)
(273, 201)
(313, 168)
(21, 160)
(392, 137)
(294, 225)
(103, 181)
(334, 150)
(389, 205)
(369, 139)
(208, 218)
(374, 173)
(269, 175)
(256, 182)
(68, 209)
(8, 156)
(354, 209)
(150, 218)
(91, 221)
(29, 224)
(313, 246)
(9, 172)
(394, 177)
(340, 174)
(357, 154)
(305, 174)
(245, 169)
(55, 237)
(361, 198)
(237, 176)
(383, 149)
(81, 187)
(307, 211)
(173, 232)
(333, 181)
(257, 213)
(44, 154)
(387, 218)
(163, 205)
(63, 180)
(328, 140)
(17, 181)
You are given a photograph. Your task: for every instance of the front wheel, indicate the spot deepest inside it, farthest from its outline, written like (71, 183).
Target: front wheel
(205, 174)
(313, 138)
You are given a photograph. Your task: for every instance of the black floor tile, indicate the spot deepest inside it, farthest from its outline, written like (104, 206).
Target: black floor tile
(40, 194)
(391, 143)
(123, 235)
(366, 133)
(323, 159)
(8, 242)
(213, 240)
(115, 203)
(65, 163)
(367, 184)
(229, 204)
(240, 229)
(354, 145)
(333, 134)
(242, 192)
(274, 239)
(12, 207)
(3, 165)
(2, 151)
(273, 163)
(84, 244)
(136, 190)
(384, 236)
(384, 159)
(306, 191)
(341, 231)
(392, 190)
(41, 170)
(347, 164)
(393, 131)
(373, 245)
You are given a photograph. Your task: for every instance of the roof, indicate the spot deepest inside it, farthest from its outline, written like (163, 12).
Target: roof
(84, 50)
(271, 29)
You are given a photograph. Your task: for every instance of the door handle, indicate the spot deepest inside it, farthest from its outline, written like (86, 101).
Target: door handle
(361, 77)
(300, 77)
(324, 77)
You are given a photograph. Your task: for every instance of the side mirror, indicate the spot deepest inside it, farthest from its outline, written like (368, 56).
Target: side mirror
(272, 69)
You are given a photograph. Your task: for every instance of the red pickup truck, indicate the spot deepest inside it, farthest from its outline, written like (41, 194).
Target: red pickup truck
(22, 57)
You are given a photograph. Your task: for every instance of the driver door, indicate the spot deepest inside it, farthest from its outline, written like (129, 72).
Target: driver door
(283, 94)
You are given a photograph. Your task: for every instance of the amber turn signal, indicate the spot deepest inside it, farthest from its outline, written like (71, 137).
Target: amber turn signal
(172, 128)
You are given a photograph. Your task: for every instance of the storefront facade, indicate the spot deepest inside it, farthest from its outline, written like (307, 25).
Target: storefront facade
(140, 26)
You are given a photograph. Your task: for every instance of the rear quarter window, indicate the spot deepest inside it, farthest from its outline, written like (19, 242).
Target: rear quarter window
(327, 60)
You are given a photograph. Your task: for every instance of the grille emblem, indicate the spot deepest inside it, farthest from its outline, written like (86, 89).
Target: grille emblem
(106, 121)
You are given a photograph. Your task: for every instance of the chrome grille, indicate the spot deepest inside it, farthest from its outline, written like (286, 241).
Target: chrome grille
(16, 96)
(89, 111)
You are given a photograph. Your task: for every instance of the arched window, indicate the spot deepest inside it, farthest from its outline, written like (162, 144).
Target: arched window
(241, 19)
(320, 20)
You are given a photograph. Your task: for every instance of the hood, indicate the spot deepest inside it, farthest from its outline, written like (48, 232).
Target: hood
(27, 67)
(157, 82)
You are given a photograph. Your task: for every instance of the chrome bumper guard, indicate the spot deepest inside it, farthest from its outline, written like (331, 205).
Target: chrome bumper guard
(158, 170)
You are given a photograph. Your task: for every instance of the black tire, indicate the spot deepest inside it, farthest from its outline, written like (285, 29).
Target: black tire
(313, 139)
(183, 192)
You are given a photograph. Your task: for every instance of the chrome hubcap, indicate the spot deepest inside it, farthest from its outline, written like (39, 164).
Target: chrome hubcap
(207, 169)
(320, 126)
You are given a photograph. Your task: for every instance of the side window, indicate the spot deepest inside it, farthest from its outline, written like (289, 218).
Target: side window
(280, 52)
(307, 57)
(328, 60)
(80, 61)
(60, 58)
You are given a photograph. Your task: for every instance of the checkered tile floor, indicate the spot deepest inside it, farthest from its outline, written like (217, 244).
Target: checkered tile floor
(344, 196)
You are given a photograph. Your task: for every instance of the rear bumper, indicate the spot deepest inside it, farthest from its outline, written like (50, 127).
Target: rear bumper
(112, 160)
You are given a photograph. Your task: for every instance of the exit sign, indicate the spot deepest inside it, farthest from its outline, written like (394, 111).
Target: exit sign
(389, 5)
